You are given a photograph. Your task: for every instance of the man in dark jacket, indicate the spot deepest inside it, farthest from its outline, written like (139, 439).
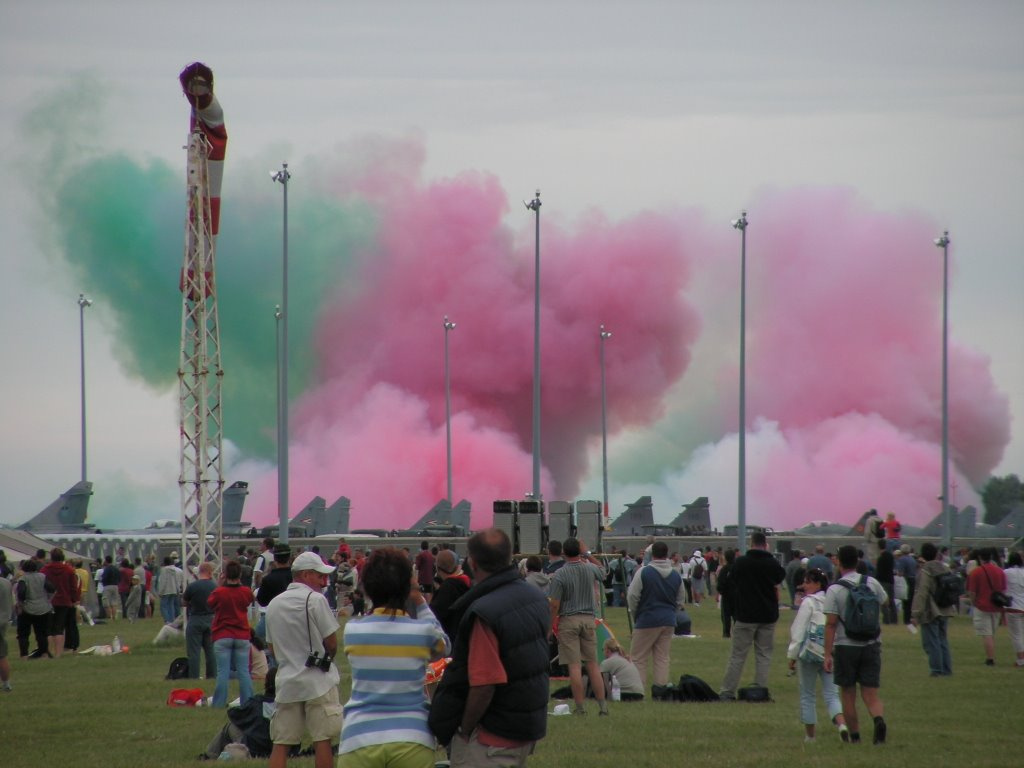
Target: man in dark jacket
(755, 579)
(491, 704)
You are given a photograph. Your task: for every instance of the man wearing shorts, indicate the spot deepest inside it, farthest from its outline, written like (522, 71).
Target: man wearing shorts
(573, 604)
(853, 662)
(981, 582)
(299, 624)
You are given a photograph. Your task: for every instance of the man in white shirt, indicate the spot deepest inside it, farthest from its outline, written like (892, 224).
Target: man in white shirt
(301, 631)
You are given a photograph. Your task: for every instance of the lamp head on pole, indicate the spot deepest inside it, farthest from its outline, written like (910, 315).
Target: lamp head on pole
(533, 205)
(84, 302)
(942, 242)
(448, 324)
(277, 312)
(741, 222)
(605, 334)
(282, 176)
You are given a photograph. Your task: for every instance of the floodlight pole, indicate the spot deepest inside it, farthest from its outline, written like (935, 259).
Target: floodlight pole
(534, 205)
(448, 326)
(947, 510)
(605, 335)
(82, 304)
(741, 520)
(282, 177)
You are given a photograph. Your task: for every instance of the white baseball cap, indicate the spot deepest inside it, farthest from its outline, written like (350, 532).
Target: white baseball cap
(310, 561)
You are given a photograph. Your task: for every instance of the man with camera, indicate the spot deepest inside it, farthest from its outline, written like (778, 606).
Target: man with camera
(301, 631)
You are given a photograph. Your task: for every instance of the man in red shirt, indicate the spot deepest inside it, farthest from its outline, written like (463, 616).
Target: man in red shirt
(65, 581)
(981, 583)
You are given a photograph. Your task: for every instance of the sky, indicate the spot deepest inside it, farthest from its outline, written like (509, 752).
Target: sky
(852, 135)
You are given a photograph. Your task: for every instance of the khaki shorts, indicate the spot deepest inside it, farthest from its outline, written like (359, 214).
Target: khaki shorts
(984, 622)
(577, 639)
(321, 717)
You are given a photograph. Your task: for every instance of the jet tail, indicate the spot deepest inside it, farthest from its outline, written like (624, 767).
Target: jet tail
(637, 515)
(67, 512)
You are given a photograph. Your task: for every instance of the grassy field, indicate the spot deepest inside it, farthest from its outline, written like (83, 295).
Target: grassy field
(108, 712)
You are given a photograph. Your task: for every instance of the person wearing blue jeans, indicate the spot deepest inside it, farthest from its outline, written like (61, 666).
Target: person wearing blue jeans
(230, 603)
(807, 638)
(928, 616)
(232, 659)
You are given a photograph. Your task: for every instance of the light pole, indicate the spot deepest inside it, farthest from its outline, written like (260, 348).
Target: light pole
(82, 304)
(282, 177)
(947, 510)
(741, 519)
(605, 335)
(448, 326)
(534, 205)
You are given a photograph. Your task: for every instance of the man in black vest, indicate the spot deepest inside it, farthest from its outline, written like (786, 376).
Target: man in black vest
(491, 704)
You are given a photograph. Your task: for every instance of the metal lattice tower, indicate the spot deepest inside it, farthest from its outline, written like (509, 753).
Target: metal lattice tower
(201, 479)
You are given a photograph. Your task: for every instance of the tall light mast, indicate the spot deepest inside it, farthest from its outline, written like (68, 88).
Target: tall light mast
(201, 479)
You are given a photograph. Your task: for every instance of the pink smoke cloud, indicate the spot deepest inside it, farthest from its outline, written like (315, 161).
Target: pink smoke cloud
(844, 354)
(373, 426)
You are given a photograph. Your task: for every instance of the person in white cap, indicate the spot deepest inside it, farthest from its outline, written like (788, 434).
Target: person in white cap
(301, 632)
(698, 576)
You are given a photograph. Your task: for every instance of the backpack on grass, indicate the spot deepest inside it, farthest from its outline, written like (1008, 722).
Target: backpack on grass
(948, 588)
(178, 669)
(692, 688)
(862, 617)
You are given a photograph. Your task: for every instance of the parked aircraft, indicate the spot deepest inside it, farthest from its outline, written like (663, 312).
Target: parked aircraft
(315, 519)
(441, 520)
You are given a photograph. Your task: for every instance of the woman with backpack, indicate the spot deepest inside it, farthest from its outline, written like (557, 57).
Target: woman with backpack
(806, 656)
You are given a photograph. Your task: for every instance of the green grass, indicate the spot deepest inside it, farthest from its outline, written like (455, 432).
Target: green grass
(109, 712)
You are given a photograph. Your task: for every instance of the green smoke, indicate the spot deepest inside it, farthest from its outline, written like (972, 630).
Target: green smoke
(119, 225)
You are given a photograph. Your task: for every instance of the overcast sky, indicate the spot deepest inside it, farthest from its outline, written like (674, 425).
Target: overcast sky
(625, 106)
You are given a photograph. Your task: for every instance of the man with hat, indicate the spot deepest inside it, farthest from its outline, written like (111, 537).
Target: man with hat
(301, 634)
(274, 582)
(698, 576)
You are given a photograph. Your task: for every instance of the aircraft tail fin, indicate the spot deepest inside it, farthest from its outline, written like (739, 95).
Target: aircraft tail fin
(335, 517)
(858, 527)
(637, 515)
(695, 518)
(68, 510)
(310, 515)
(232, 504)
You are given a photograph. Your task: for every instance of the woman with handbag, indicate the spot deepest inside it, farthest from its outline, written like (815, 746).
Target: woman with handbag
(986, 585)
(807, 653)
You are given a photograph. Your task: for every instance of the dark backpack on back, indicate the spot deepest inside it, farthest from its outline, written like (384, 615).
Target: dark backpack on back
(178, 669)
(862, 617)
(948, 588)
(698, 570)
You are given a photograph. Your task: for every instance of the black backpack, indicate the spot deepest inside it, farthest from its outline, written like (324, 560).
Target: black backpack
(862, 617)
(698, 570)
(692, 688)
(948, 589)
(178, 669)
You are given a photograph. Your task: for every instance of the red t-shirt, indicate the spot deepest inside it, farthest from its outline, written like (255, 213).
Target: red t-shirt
(981, 581)
(125, 584)
(230, 604)
(485, 668)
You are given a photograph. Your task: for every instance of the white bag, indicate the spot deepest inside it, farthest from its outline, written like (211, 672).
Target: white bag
(900, 588)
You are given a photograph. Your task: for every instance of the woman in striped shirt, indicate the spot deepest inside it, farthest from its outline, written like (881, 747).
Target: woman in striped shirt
(388, 650)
